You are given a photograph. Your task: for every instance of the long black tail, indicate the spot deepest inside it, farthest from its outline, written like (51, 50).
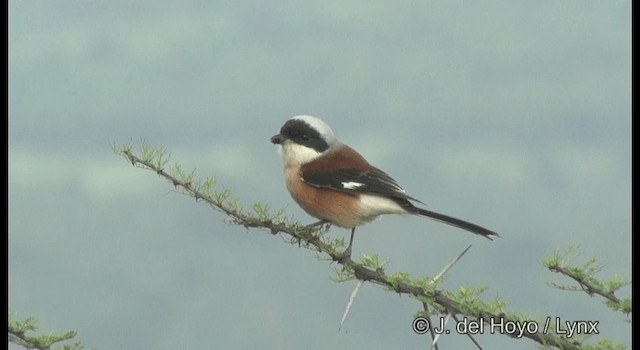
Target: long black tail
(456, 222)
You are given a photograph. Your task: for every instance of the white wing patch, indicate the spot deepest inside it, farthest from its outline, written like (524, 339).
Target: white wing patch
(352, 185)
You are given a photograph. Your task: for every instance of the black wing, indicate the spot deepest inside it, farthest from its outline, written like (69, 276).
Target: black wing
(377, 182)
(373, 181)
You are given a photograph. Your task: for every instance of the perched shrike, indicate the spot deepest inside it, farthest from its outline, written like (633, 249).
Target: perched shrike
(334, 183)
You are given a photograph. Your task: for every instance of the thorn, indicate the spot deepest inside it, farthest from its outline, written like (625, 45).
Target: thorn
(351, 299)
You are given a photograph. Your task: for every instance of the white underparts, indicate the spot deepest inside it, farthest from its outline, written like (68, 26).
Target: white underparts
(372, 205)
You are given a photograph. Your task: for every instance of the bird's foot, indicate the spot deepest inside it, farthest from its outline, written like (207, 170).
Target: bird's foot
(318, 223)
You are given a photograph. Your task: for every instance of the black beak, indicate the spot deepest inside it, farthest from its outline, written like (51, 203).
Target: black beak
(277, 139)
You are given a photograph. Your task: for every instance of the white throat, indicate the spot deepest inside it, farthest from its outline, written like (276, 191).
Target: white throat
(293, 154)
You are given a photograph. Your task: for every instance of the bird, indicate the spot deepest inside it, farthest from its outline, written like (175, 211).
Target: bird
(335, 184)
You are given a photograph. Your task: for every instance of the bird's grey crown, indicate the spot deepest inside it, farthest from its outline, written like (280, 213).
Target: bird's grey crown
(316, 123)
(309, 131)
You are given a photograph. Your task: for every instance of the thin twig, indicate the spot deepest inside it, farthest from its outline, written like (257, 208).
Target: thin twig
(450, 265)
(351, 299)
(359, 271)
(468, 334)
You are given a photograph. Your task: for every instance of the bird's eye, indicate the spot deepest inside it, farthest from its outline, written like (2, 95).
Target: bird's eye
(304, 137)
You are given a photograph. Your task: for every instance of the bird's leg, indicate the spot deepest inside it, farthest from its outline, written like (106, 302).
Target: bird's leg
(348, 251)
